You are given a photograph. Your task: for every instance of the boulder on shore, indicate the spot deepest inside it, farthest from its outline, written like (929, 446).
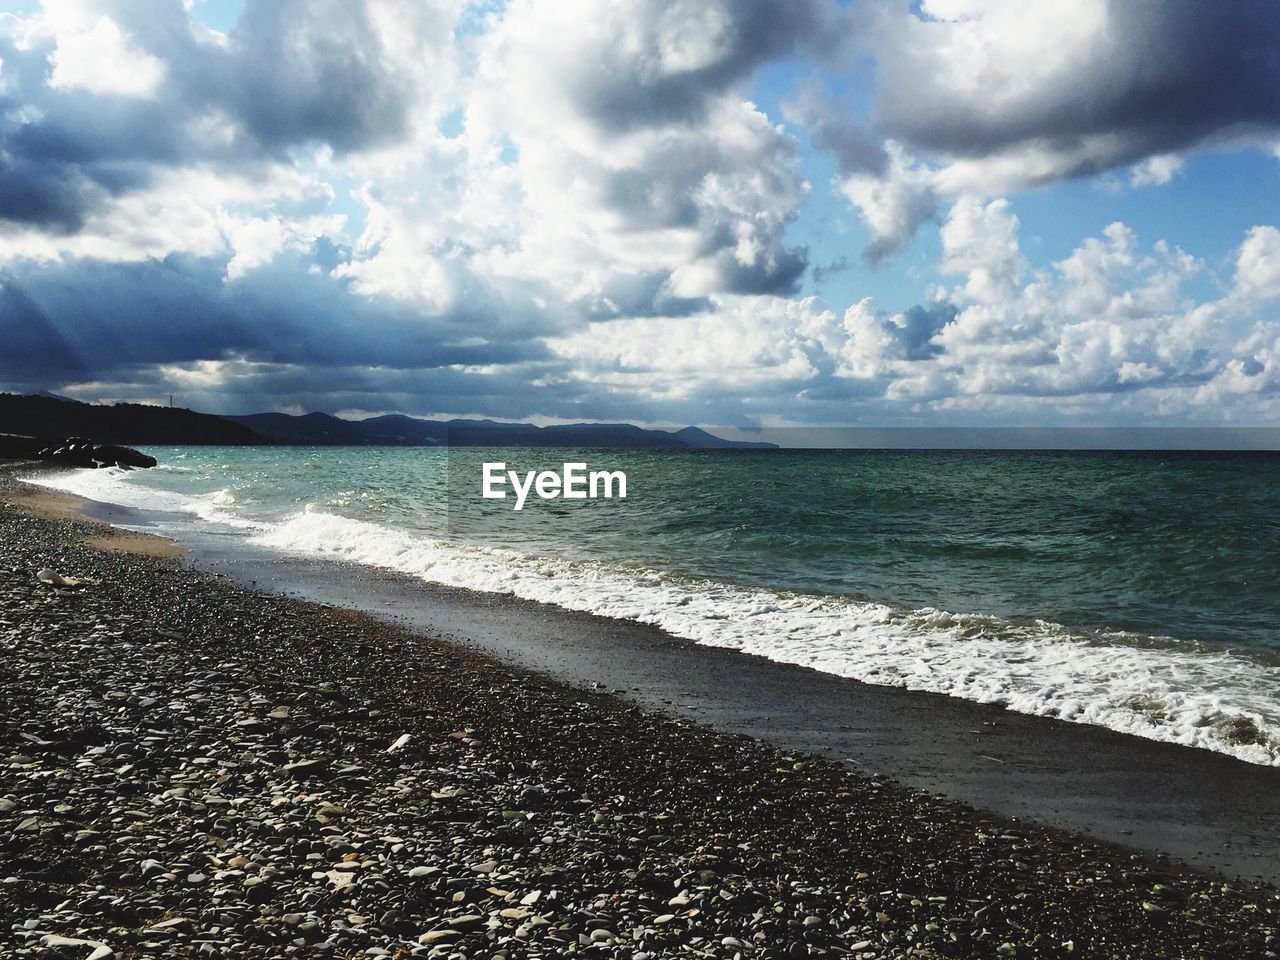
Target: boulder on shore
(71, 452)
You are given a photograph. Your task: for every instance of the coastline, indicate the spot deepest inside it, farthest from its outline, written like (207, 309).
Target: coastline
(1192, 805)
(619, 810)
(1197, 806)
(55, 505)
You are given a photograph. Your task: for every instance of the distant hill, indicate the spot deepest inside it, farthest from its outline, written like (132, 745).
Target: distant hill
(50, 417)
(53, 418)
(400, 430)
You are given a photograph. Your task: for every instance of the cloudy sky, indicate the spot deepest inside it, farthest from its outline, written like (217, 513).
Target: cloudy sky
(665, 211)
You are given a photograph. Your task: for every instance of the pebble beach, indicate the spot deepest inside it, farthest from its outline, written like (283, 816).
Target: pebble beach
(194, 769)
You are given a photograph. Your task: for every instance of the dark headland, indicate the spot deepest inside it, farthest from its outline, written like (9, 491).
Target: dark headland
(197, 769)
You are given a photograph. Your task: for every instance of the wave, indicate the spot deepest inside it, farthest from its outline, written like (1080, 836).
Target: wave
(119, 486)
(1154, 687)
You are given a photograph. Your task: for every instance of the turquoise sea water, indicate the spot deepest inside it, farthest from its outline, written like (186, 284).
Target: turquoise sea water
(1135, 591)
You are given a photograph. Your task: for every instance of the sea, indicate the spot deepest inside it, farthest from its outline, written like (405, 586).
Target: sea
(1138, 591)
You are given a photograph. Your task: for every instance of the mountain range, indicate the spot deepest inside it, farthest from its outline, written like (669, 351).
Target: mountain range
(45, 415)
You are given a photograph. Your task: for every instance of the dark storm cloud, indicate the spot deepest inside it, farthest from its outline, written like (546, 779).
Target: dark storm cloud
(34, 351)
(440, 390)
(998, 98)
(129, 317)
(294, 338)
(622, 92)
(294, 72)
(31, 192)
(779, 274)
(62, 153)
(915, 328)
(1161, 76)
(306, 70)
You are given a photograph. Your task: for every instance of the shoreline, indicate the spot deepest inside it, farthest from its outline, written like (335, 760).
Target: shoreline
(640, 810)
(51, 504)
(1195, 806)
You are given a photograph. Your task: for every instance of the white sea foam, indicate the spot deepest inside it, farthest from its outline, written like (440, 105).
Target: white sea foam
(118, 486)
(1183, 693)
(1160, 689)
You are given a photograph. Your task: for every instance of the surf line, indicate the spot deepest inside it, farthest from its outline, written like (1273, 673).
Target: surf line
(573, 482)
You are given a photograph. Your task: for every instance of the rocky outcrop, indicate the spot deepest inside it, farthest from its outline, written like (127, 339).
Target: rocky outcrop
(72, 452)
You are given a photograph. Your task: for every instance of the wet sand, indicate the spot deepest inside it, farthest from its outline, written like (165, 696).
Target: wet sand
(58, 505)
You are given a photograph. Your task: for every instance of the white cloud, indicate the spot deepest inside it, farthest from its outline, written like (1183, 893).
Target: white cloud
(575, 207)
(1258, 265)
(1156, 171)
(870, 347)
(255, 241)
(982, 241)
(189, 211)
(989, 97)
(743, 347)
(1108, 323)
(893, 203)
(92, 52)
(634, 147)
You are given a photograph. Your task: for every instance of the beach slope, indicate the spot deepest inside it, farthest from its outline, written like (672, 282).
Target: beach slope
(197, 769)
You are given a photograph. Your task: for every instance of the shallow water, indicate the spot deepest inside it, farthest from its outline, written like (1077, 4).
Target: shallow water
(1134, 591)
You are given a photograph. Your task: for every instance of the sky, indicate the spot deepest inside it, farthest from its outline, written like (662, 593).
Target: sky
(721, 212)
